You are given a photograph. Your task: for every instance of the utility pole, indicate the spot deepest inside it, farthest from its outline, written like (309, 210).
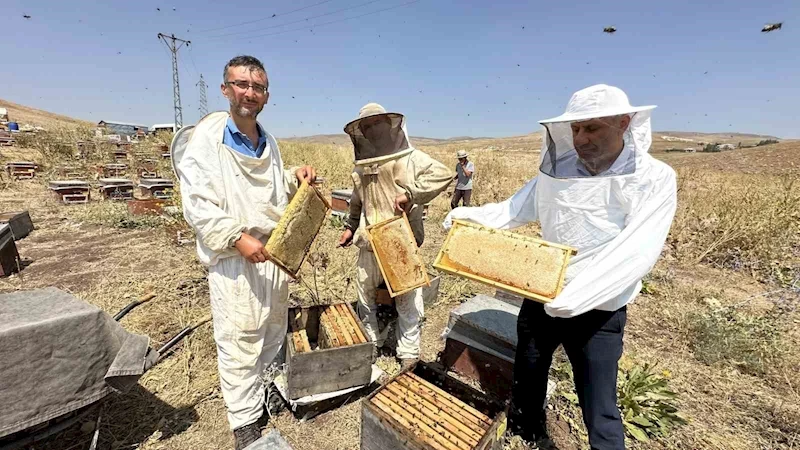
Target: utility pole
(173, 47)
(203, 102)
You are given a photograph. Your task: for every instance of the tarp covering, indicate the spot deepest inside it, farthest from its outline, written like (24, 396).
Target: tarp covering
(60, 354)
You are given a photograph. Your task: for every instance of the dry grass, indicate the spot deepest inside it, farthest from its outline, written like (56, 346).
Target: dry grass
(734, 238)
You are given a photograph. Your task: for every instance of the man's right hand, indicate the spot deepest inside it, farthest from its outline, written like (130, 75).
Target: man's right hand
(347, 238)
(251, 249)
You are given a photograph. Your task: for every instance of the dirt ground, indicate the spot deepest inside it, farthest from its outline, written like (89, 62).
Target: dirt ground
(178, 404)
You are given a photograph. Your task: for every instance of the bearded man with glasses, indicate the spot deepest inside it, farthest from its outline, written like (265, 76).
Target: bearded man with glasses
(234, 191)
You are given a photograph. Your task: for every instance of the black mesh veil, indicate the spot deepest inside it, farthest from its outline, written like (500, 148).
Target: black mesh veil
(378, 137)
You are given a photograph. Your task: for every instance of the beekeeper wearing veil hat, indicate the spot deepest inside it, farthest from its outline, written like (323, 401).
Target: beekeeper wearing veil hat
(600, 192)
(390, 176)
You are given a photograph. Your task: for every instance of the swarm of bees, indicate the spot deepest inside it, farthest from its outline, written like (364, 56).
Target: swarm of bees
(610, 30)
(771, 27)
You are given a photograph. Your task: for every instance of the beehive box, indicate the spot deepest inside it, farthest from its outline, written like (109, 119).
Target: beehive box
(19, 221)
(340, 201)
(291, 240)
(160, 188)
(481, 343)
(71, 191)
(71, 172)
(9, 257)
(398, 256)
(114, 170)
(524, 266)
(116, 188)
(21, 170)
(327, 350)
(425, 409)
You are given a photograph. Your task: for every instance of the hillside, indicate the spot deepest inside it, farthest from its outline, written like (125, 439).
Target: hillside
(662, 140)
(38, 117)
(780, 158)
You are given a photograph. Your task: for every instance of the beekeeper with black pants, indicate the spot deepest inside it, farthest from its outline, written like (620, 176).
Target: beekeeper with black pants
(600, 192)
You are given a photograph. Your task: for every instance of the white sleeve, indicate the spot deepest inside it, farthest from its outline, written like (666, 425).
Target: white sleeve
(625, 260)
(515, 212)
(471, 167)
(200, 184)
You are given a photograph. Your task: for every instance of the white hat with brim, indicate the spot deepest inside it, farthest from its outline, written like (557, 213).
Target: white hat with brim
(597, 101)
(370, 110)
(461, 154)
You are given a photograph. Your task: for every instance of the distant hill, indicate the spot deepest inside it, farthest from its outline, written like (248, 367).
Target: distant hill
(38, 117)
(343, 139)
(662, 140)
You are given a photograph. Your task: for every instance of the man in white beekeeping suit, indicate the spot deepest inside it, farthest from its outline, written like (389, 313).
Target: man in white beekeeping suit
(600, 192)
(390, 177)
(234, 190)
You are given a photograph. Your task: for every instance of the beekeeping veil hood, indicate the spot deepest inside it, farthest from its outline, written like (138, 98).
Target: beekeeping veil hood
(378, 136)
(589, 108)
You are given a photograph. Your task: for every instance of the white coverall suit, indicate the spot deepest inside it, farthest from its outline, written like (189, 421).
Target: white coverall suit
(421, 178)
(225, 193)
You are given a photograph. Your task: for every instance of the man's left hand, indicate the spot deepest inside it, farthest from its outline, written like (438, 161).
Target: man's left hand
(400, 203)
(306, 174)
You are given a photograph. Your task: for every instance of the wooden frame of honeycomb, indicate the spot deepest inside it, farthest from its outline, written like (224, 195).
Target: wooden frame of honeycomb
(528, 267)
(398, 256)
(289, 243)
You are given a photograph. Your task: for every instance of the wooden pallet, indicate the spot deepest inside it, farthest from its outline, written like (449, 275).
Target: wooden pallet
(524, 266)
(412, 412)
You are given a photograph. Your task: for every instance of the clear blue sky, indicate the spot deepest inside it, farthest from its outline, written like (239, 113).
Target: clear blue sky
(479, 72)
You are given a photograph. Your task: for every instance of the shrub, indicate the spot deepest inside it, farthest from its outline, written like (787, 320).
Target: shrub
(647, 404)
(727, 335)
(742, 222)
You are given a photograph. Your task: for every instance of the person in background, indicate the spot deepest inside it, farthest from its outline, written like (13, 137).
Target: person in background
(390, 177)
(464, 170)
(600, 192)
(234, 191)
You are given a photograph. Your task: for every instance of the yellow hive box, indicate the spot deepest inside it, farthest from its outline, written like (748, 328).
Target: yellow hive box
(522, 265)
(398, 255)
(291, 240)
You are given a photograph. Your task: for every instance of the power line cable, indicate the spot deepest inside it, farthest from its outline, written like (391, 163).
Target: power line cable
(296, 21)
(265, 18)
(336, 21)
(191, 58)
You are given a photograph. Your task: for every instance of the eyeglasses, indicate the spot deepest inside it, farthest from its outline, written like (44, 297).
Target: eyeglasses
(244, 85)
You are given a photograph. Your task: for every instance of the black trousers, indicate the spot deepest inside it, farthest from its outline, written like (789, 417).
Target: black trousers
(458, 195)
(593, 343)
